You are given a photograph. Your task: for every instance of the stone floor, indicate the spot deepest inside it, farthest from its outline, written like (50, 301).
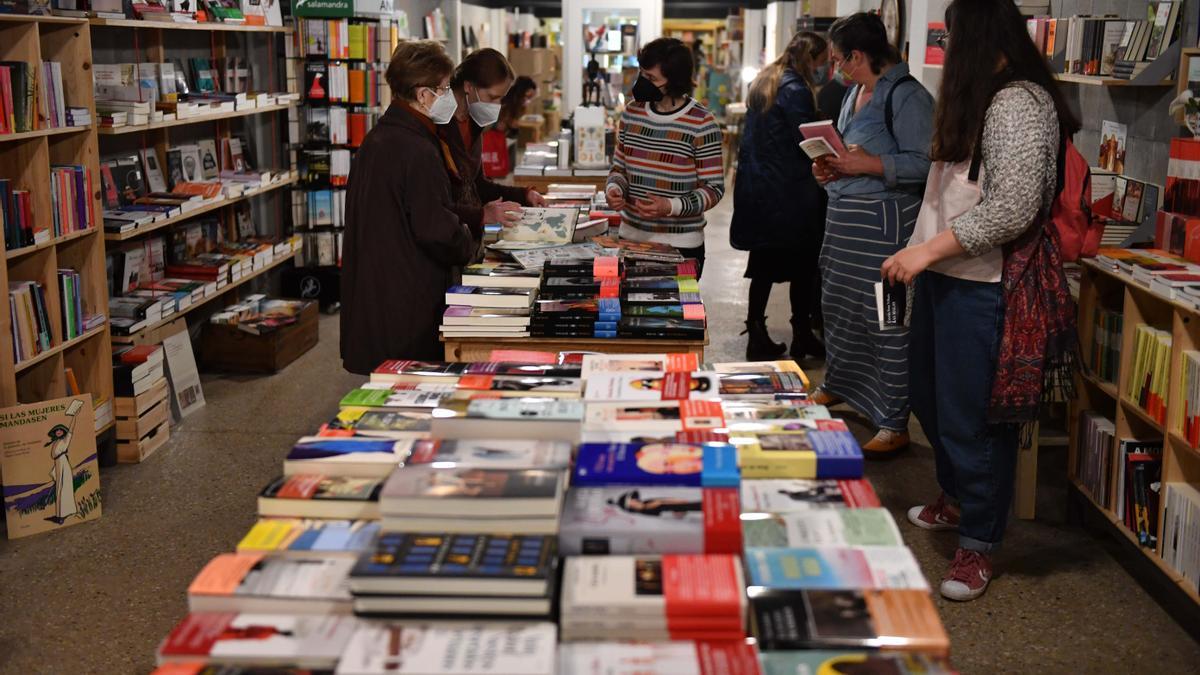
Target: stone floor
(97, 598)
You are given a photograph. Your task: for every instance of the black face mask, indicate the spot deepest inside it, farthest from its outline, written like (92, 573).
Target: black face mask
(644, 91)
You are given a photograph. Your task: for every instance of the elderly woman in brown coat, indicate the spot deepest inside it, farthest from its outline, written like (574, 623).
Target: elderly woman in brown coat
(403, 236)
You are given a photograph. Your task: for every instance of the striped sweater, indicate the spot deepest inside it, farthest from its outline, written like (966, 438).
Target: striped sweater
(677, 156)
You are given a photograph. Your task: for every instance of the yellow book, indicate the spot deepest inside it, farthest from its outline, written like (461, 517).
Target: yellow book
(269, 535)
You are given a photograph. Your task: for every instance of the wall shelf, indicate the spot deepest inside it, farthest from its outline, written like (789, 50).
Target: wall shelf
(198, 119)
(154, 227)
(70, 236)
(1103, 81)
(31, 362)
(171, 25)
(25, 135)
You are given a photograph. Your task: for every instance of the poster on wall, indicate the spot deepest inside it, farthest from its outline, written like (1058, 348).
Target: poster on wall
(51, 477)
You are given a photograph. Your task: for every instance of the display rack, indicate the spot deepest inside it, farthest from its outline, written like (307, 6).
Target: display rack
(25, 159)
(1101, 287)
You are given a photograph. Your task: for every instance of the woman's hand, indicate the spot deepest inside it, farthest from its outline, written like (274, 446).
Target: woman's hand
(616, 200)
(857, 162)
(822, 171)
(651, 207)
(535, 198)
(907, 264)
(500, 211)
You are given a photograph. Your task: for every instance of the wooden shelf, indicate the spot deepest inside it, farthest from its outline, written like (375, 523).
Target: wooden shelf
(1107, 387)
(29, 363)
(37, 18)
(152, 227)
(1136, 411)
(199, 119)
(70, 236)
(106, 427)
(171, 25)
(1102, 81)
(1183, 443)
(42, 132)
(232, 285)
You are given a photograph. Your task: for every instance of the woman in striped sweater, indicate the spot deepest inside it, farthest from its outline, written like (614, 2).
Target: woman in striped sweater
(667, 168)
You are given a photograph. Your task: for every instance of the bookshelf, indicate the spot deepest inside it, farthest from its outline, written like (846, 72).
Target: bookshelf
(198, 119)
(210, 26)
(26, 159)
(1101, 287)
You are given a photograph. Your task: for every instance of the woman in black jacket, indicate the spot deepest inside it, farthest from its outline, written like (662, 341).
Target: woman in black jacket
(778, 209)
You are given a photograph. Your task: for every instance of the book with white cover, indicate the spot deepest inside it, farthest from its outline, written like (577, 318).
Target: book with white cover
(638, 363)
(346, 456)
(473, 493)
(493, 454)
(821, 527)
(379, 648)
(249, 640)
(651, 386)
(797, 494)
(678, 657)
(247, 582)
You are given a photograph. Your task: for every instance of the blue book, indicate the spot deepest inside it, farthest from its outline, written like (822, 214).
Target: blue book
(657, 463)
(830, 567)
(838, 454)
(456, 564)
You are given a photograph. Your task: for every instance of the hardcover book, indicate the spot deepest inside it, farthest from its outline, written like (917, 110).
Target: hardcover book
(651, 387)
(822, 449)
(656, 463)
(846, 618)
(464, 492)
(398, 424)
(355, 456)
(493, 454)
(316, 496)
(657, 416)
(479, 296)
(786, 496)
(639, 520)
(456, 564)
(643, 363)
(509, 418)
(761, 385)
(248, 582)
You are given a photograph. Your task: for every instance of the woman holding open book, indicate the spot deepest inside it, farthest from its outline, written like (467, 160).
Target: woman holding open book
(782, 235)
(403, 236)
(479, 84)
(875, 189)
(992, 319)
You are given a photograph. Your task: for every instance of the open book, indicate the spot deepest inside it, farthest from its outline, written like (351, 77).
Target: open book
(820, 139)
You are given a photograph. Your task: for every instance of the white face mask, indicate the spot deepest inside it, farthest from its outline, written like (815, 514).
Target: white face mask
(443, 108)
(484, 114)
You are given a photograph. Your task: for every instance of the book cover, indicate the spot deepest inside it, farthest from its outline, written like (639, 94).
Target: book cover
(818, 449)
(684, 595)
(657, 416)
(639, 363)
(821, 527)
(209, 165)
(354, 456)
(1112, 146)
(308, 537)
(319, 488)
(767, 385)
(834, 567)
(426, 559)
(543, 225)
(657, 464)
(384, 648)
(231, 578)
(48, 465)
(786, 496)
(661, 658)
(525, 409)
(639, 520)
(232, 639)
(793, 661)
(455, 491)
(845, 618)
(493, 453)
(651, 387)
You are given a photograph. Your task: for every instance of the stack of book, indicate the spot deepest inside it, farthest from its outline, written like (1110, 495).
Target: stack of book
(488, 321)
(1181, 530)
(416, 532)
(141, 401)
(608, 298)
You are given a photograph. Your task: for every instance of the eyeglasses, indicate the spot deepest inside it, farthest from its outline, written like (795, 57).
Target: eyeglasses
(942, 40)
(438, 90)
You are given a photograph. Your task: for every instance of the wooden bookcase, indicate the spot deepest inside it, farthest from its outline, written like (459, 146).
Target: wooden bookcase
(25, 159)
(1103, 288)
(157, 42)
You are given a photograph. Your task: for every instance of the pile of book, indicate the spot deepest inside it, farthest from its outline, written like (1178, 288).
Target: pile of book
(608, 298)
(141, 401)
(1149, 371)
(471, 320)
(1166, 274)
(431, 522)
(1181, 530)
(259, 315)
(1106, 45)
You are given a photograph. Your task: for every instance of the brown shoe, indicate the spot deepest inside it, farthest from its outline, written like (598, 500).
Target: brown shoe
(822, 397)
(885, 444)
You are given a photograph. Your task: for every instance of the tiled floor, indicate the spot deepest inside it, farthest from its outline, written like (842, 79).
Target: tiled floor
(97, 598)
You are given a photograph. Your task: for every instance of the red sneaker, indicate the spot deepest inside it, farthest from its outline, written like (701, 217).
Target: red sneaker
(939, 515)
(968, 576)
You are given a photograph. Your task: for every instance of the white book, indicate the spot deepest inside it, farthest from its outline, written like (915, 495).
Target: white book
(379, 648)
(651, 387)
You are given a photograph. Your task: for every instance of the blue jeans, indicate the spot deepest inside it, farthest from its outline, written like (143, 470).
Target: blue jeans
(954, 342)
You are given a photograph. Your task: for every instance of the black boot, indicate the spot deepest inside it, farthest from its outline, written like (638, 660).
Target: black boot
(804, 342)
(759, 346)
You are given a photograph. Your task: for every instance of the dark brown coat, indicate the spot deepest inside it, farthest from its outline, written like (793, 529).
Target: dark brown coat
(403, 240)
(473, 189)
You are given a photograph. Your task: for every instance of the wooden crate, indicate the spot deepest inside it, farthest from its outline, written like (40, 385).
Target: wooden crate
(125, 407)
(133, 428)
(131, 452)
(228, 349)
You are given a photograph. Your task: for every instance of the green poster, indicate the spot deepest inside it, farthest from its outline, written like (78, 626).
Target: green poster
(323, 8)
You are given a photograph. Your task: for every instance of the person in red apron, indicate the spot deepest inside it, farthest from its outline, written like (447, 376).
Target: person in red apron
(983, 259)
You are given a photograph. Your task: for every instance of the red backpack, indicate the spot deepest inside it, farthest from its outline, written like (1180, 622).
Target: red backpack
(1079, 233)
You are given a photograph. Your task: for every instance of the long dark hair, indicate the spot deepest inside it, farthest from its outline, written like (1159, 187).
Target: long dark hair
(804, 49)
(983, 34)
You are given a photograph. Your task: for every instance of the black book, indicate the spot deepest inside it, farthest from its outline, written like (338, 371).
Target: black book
(655, 327)
(316, 81)
(844, 619)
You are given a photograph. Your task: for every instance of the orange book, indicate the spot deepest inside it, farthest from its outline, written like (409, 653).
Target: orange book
(358, 86)
(224, 573)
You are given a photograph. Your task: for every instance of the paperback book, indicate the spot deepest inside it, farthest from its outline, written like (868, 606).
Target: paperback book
(787, 496)
(639, 520)
(657, 463)
(821, 527)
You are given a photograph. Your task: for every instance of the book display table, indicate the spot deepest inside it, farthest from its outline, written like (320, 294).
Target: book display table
(542, 183)
(479, 349)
